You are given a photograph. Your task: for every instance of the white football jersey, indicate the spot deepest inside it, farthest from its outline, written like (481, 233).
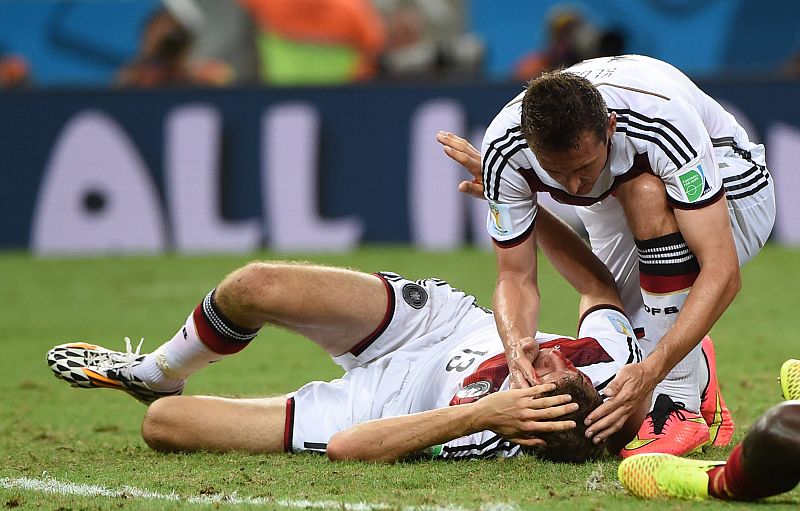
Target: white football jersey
(471, 364)
(666, 126)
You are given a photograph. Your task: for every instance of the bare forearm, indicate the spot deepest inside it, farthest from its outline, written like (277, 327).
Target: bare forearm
(395, 438)
(713, 291)
(574, 260)
(516, 308)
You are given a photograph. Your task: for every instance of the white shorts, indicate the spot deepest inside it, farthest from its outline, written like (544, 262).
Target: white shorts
(751, 210)
(425, 313)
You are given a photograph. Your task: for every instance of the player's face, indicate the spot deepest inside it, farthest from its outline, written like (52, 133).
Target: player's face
(551, 366)
(577, 169)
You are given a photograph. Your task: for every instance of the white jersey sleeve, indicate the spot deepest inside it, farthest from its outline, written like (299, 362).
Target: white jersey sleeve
(679, 151)
(512, 203)
(481, 445)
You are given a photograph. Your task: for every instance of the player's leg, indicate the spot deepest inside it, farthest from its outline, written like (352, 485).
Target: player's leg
(334, 307)
(200, 423)
(766, 463)
(667, 270)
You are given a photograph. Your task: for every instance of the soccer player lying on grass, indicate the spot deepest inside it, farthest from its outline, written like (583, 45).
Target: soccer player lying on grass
(766, 463)
(409, 349)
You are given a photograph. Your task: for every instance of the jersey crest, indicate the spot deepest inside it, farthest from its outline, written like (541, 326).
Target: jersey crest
(486, 379)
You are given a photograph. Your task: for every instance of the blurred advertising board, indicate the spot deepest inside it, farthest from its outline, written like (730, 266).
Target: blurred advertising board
(308, 169)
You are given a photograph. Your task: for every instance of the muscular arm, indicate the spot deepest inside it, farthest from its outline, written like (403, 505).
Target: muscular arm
(512, 414)
(574, 260)
(516, 308)
(707, 231)
(708, 234)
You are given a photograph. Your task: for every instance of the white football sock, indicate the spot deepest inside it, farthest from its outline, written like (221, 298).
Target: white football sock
(683, 383)
(171, 363)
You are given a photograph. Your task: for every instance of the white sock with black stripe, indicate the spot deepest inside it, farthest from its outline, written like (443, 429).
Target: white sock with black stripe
(667, 271)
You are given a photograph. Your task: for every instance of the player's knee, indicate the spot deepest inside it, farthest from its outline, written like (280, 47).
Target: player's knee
(248, 287)
(644, 200)
(161, 427)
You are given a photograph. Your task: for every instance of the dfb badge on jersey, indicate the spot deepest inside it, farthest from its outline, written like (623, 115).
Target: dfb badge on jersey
(473, 392)
(415, 295)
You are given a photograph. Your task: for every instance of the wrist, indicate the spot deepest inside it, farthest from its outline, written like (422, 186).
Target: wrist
(477, 419)
(655, 368)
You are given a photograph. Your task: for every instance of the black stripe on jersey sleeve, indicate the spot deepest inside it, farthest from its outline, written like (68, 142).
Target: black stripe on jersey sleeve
(504, 446)
(662, 122)
(315, 446)
(501, 149)
(470, 447)
(656, 141)
(492, 153)
(664, 135)
(632, 352)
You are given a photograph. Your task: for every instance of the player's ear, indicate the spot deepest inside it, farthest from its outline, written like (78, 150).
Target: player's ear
(612, 124)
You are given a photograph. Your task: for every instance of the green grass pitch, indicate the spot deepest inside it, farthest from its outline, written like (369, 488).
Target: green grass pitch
(51, 432)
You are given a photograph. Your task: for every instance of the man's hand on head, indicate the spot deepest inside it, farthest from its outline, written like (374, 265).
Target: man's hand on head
(520, 414)
(520, 356)
(633, 384)
(463, 153)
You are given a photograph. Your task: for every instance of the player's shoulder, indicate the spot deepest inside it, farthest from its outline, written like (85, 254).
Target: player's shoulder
(507, 119)
(503, 141)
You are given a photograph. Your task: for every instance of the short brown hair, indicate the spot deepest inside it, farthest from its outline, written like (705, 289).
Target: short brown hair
(571, 446)
(558, 108)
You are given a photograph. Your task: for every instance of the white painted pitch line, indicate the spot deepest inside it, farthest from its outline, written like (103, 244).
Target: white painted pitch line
(50, 485)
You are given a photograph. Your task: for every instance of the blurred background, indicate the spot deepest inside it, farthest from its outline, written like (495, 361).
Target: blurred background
(206, 126)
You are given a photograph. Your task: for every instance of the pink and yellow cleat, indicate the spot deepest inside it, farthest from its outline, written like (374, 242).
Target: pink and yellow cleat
(712, 405)
(669, 428)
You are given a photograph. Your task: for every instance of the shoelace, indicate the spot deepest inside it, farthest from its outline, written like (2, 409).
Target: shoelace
(660, 417)
(115, 359)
